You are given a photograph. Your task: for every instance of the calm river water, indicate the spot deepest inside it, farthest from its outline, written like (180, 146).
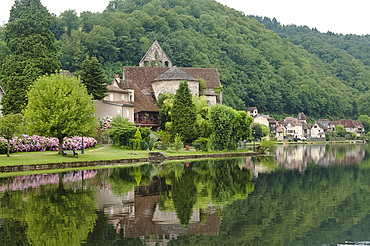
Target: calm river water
(303, 195)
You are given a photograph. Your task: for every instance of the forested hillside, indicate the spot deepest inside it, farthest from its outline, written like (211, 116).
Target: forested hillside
(257, 67)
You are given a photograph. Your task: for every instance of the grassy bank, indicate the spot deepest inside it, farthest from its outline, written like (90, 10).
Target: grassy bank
(102, 153)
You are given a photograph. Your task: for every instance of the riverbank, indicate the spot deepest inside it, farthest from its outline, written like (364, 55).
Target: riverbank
(99, 157)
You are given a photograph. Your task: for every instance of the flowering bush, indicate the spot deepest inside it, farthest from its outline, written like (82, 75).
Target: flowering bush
(104, 123)
(35, 143)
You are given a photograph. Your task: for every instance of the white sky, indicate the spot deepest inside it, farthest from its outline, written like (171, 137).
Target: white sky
(338, 16)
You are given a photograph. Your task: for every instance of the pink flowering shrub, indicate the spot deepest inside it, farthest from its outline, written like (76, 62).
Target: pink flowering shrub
(35, 143)
(104, 123)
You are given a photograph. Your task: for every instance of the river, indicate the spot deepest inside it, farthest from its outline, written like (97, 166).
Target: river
(300, 195)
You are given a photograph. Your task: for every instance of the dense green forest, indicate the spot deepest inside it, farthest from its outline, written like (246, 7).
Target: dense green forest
(279, 74)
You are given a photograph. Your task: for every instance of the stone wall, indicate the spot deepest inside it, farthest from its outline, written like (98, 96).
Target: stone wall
(160, 87)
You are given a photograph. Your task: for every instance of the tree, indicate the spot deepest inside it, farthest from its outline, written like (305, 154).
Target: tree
(92, 76)
(165, 104)
(69, 20)
(183, 114)
(365, 121)
(32, 52)
(9, 126)
(340, 130)
(257, 131)
(59, 106)
(242, 124)
(121, 131)
(221, 123)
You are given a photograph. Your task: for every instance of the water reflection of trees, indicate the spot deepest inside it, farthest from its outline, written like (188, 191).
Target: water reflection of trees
(288, 207)
(49, 215)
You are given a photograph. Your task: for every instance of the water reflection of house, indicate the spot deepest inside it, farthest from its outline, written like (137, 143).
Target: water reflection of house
(297, 157)
(136, 214)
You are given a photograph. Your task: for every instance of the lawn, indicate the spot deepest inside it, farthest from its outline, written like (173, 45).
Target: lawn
(100, 153)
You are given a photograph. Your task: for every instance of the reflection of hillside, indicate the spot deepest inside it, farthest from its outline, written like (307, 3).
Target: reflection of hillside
(297, 157)
(136, 214)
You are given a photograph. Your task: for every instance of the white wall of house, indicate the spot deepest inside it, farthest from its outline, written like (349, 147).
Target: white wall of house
(160, 87)
(315, 130)
(106, 109)
(261, 119)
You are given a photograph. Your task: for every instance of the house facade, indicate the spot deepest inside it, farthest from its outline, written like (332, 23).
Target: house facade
(116, 102)
(155, 75)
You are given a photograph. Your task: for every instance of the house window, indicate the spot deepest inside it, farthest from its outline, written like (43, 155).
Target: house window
(130, 98)
(118, 111)
(127, 113)
(122, 97)
(110, 96)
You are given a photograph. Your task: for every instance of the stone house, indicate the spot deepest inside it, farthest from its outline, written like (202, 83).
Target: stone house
(293, 127)
(352, 126)
(1, 97)
(267, 121)
(155, 75)
(318, 130)
(252, 111)
(116, 102)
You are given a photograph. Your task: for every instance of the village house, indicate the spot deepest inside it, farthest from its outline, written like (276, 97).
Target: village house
(267, 121)
(252, 111)
(352, 126)
(116, 102)
(156, 75)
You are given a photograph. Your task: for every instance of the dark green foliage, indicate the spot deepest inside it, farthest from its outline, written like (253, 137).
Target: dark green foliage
(258, 131)
(165, 104)
(201, 144)
(318, 76)
(92, 76)
(221, 122)
(365, 121)
(183, 114)
(340, 130)
(32, 52)
(242, 124)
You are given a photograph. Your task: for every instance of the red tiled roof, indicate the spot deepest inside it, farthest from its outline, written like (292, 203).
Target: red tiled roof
(140, 79)
(346, 123)
(144, 76)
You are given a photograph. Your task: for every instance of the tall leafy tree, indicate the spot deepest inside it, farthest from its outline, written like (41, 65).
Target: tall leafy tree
(59, 106)
(32, 51)
(222, 126)
(183, 114)
(9, 125)
(92, 76)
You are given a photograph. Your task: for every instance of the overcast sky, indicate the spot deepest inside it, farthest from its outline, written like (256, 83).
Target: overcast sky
(338, 16)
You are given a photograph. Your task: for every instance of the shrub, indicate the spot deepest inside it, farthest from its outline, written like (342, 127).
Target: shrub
(178, 142)
(201, 144)
(144, 145)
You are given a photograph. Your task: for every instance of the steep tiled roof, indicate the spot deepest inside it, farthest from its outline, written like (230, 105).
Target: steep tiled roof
(140, 79)
(346, 123)
(175, 73)
(301, 116)
(143, 102)
(116, 89)
(144, 76)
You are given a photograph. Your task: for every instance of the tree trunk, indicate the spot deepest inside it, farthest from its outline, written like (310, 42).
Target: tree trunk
(8, 148)
(60, 145)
